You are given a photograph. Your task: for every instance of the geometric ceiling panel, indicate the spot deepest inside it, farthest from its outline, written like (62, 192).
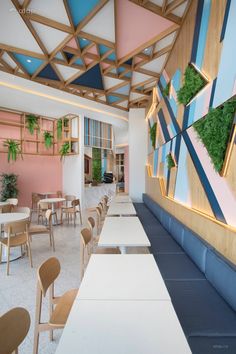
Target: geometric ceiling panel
(103, 49)
(124, 90)
(156, 64)
(83, 42)
(103, 23)
(48, 73)
(179, 11)
(166, 41)
(110, 82)
(30, 64)
(91, 78)
(50, 37)
(9, 60)
(136, 26)
(113, 99)
(46, 8)
(66, 71)
(138, 78)
(134, 96)
(79, 9)
(14, 31)
(123, 104)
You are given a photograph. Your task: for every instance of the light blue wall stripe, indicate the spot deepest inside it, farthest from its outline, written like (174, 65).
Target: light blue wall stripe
(155, 162)
(182, 183)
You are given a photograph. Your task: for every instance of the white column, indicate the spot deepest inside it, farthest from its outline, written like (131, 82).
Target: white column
(137, 153)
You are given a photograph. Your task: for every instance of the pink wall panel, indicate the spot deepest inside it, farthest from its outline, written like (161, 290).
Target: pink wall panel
(35, 174)
(126, 169)
(136, 26)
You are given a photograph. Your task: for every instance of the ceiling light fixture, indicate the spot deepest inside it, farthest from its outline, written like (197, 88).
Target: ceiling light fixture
(29, 61)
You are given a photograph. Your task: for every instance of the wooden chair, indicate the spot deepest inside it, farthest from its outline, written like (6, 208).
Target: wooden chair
(85, 253)
(99, 218)
(35, 203)
(72, 211)
(42, 208)
(14, 326)
(17, 235)
(91, 225)
(35, 229)
(59, 308)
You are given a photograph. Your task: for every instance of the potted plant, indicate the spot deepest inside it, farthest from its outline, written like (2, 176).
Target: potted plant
(9, 186)
(32, 123)
(48, 139)
(14, 149)
(64, 150)
(170, 161)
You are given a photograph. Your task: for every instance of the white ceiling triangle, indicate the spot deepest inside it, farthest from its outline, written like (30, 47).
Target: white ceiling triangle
(110, 82)
(135, 96)
(156, 64)
(9, 60)
(102, 98)
(103, 24)
(66, 71)
(164, 42)
(14, 31)
(50, 37)
(138, 78)
(123, 104)
(54, 9)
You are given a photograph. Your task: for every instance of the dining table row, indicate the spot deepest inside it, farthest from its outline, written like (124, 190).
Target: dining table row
(123, 305)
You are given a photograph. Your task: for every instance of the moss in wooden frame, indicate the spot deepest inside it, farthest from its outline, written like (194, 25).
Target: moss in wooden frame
(153, 131)
(193, 83)
(170, 161)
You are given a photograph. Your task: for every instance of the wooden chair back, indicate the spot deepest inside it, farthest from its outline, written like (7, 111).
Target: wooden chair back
(47, 273)
(43, 205)
(91, 223)
(35, 200)
(13, 201)
(14, 326)
(69, 199)
(7, 208)
(75, 203)
(18, 227)
(48, 216)
(85, 238)
(59, 194)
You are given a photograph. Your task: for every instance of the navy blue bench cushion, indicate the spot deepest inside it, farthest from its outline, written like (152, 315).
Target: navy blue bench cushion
(177, 230)
(164, 245)
(166, 220)
(153, 206)
(212, 345)
(222, 276)
(178, 267)
(195, 248)
(201, 310)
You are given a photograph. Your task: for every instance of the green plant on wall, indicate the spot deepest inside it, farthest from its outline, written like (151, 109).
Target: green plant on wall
(8, 186)
(48, 139)
(170, 161)
(193, 83)
(32, 123)
(166, 90)
(153, 131)
(59, 129)
(14, 149)
(97, 164)
(214, 131)
(64, 150)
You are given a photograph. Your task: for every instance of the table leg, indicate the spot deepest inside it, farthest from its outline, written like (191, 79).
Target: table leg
(123, 249)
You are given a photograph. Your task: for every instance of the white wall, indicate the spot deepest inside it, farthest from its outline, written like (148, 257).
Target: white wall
(137, 153)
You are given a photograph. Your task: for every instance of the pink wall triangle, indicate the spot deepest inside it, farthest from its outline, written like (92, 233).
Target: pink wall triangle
(136, 26)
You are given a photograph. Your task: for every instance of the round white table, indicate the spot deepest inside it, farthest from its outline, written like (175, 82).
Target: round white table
(53, 201)
(7, 218)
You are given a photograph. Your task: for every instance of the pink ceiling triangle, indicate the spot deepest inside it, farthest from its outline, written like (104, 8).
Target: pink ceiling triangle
(72, 43)
(136, 26)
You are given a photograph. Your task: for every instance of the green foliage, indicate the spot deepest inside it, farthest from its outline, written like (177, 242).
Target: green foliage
(214, 131)
(9, 186)
(153, 130)
(97, 165)
(64, 150)
(59, 129)
(14, 149)
(32, 123)
(166, 90)
(193, 83)
(48, 139)
(170, 161)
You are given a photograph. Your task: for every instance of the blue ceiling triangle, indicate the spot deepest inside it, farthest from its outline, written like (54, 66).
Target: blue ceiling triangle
(129, 62)
(68, 55)
(48, 73)
(103, 49)
(30, 64)
(83, 42)
(112, 99)
(80, 9)
(91, 78)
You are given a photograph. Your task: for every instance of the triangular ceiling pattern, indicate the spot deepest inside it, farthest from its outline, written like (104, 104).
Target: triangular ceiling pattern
(92, 78)
(80, 9)
(66, 71)
(46, 8)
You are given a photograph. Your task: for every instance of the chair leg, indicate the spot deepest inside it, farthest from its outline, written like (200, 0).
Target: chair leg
(80, 214)
(8, 260)
(53, 241)
(56, 217)
(30, 255)
(36, 341)
(0, 253)
(74, 218)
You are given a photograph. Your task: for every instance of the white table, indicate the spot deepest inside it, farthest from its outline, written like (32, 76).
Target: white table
(7, 218)
(121, 209)
(121, 199)
(123, 327)
(122, 277)
(123, 232)
(53, 201)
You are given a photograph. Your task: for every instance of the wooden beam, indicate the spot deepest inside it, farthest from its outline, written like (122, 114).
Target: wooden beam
(173, 5)
(90, 15)
(48, 22)
(9, 48)
(96, 39)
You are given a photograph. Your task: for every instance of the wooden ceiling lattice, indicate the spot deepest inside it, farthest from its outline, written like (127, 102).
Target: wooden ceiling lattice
(88, 48)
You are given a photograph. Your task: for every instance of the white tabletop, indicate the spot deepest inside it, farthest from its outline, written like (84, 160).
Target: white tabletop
(122, 199)
(122, 277)
(121, 209)
(123, 327)
(7, 218)
(52, 200)
(123, 231)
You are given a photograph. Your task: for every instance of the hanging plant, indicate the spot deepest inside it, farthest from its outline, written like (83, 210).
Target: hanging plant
(166, 90)
(14, 149)
(32, 123)
(170, 161)
(9, 186)
(48, 139)
(153, 130)
(66, 122)
(59, 129)
(64, 150)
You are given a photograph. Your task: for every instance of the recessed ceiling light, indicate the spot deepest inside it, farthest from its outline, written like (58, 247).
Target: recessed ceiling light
(84, 39)
(29, 61)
